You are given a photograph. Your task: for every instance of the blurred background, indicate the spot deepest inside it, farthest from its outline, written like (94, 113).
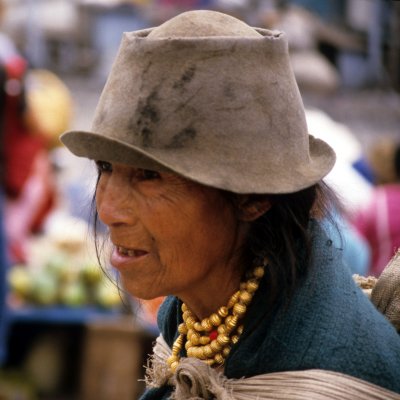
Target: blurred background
(66, 330)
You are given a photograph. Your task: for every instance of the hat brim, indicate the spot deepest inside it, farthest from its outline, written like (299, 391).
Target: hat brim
(234, 174)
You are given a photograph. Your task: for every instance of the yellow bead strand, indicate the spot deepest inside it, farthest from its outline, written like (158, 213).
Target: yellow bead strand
(211, 339)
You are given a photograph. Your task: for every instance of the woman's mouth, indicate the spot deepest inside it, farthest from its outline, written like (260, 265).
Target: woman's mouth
(123, 257)
(130, 252)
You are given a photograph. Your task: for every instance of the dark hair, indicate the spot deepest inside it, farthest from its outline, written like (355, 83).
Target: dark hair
(282, 235)
(100, 240)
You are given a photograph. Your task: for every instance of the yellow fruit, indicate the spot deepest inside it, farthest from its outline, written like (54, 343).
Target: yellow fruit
(91, 274)
(107, 295)
(20, 280)
(44, 289)
(74, 294)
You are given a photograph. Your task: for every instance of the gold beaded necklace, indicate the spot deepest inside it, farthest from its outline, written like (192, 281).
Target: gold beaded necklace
(211, 339)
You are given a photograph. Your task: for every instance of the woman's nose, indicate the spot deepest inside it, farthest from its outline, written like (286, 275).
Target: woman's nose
(114, 203)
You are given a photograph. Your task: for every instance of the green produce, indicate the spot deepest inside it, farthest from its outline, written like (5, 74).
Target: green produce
(57, 264)
(44, 289)
(61, 268)
(107, 295)
(74, 294)
(20, 280)
(91, 274)
(63, 278)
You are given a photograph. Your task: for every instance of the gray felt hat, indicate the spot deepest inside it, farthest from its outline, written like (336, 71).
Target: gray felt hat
(208, 97)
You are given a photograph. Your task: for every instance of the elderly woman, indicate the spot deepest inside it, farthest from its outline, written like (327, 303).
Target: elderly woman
(211, 190)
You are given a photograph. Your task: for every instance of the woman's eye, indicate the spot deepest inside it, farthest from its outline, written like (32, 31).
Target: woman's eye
(103, 166)
(147, 174)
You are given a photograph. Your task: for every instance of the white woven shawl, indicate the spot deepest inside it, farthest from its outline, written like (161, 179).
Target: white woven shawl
(195, 380)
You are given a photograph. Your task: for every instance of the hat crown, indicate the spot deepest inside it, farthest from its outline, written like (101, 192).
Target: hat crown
(202, 23)
(210, 98)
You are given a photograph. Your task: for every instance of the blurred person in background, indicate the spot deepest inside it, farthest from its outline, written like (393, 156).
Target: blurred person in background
(379, 220)
(3, 244)
(316, 70)
(28, 186)
(349, 184)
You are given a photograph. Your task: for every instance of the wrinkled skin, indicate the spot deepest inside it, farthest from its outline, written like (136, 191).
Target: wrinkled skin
(171, 236)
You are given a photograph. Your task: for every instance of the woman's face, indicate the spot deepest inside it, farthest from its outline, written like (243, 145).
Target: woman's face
(170, 235)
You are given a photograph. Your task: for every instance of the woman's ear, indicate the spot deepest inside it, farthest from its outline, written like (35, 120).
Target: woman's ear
(251, 207)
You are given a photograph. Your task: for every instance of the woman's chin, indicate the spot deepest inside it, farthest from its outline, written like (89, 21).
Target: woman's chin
(140, 290)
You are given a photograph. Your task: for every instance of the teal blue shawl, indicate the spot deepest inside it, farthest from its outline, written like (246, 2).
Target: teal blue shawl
(329, 324)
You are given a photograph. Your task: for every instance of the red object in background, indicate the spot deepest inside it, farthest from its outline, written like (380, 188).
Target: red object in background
(28, 183)
(20, 147)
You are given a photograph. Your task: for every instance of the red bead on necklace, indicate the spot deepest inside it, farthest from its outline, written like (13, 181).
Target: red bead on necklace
(213, 335)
